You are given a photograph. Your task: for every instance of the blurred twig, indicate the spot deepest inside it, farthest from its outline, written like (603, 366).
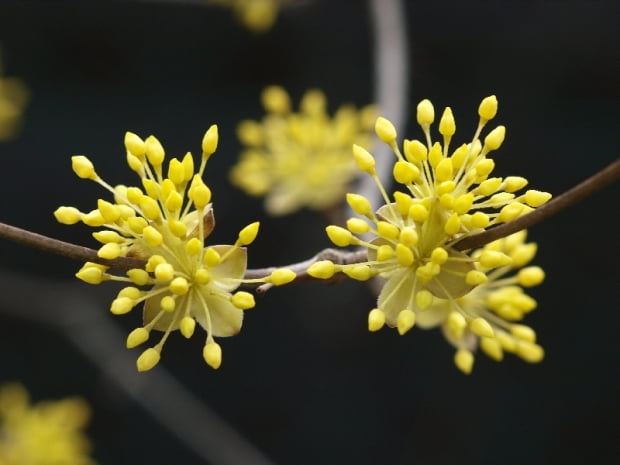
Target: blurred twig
(85, 322)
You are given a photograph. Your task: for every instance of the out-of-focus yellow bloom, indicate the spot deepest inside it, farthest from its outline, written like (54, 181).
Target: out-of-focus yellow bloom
(47, 433)
(445, 197)
(257, 15)
(13, 100)
(165, 222)
(300, 159)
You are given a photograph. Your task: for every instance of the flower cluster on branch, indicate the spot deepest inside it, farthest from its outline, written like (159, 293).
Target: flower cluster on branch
(445, 196)
(165, 222)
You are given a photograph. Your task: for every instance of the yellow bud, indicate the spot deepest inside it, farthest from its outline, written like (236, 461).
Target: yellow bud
(357, 226)
(510, 212)
(130, 292)
(385, 130)
(323, 269)
(93, 218)
(276, 100)
(439, 255)
(475, 278)
(460, 156)
(530, 352)
(164, 272)
(376, 320)
(536, 198)
(243, 300)
(135, 164)
(435, 155)
(167, 303)
(415, 151)
(494, 259)
(481, 327)
(531, 276)
(463, 203)
(523, 254)
(489, 186)
(405, 321)
(153, 261)
(456, 324)
(176, 172)
(357, 272)
(404, 255)
(173, 202)
(154, 151)
(480, 220)
(514, 183)
(384, 252)
(209, 141)
(447, 126)
(418, 213)
(136, 337)
(138, 276)
(110, 251)
(387, 230)
(177, 227)
(359, 204)
(179, 286)
(453, 225)
(408, 236)
(523, 333)
(212, 353)
(83, 167)
(212, 257)
(150, 208)
(67, 215)
(424, 299)
(403, 202)
(484, 167)
(492, 347)
(108, 236)
(135, 145)
(488, 108)
(444, 171)
(122, 305)
(494, 139)
(464, 360)
(339, 236)
(405, 172)
(152, 236)
(148, 359)
(363, 159)
(199, 193)
(187, 326)
(193, 246)
(248, 234)
(188, 166)
(425, 113)
(202, 276)
(281, 276)
(91, 275)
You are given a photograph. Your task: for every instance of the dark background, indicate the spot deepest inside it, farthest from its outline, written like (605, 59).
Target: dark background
(304, 381)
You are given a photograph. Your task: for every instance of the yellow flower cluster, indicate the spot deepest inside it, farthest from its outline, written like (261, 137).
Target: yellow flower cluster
(165, 222)
(48, 433)
(445, 197)
(256, 15)
(300, 159)
(13, 99)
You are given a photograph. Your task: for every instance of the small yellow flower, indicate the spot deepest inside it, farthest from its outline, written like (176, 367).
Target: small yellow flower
(300, 159)
(257, 15)
(165, 221)
(444, 197)
(13, 99)
(47, 433)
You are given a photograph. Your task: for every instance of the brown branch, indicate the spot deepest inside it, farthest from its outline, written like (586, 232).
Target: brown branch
(76, 252)
(588, 187)
(65, 249)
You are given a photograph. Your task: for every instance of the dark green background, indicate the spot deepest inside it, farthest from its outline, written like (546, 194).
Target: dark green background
(304, 381)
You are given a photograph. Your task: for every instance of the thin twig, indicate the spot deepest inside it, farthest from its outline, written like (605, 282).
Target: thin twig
(391, 82)
(588, 187)
(84, 322)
